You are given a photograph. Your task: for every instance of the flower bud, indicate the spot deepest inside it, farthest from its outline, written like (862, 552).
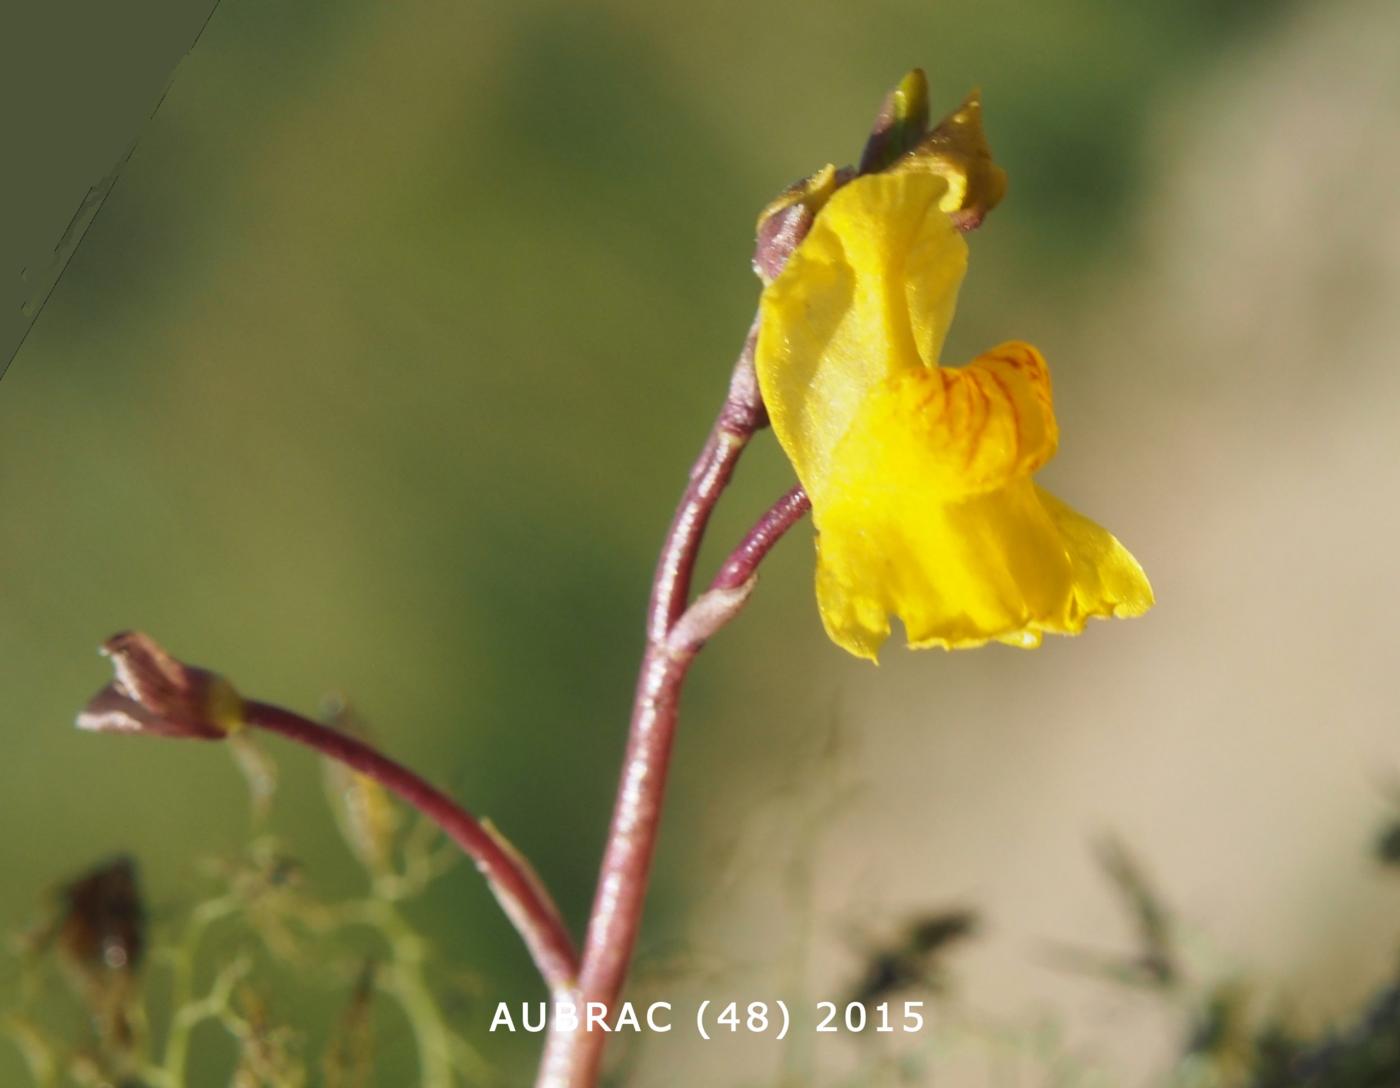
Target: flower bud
(786, 220)
(900, 124)
(957, 151)
(154, 693)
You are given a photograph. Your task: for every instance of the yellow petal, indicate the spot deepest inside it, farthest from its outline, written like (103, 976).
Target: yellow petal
(1010, 565)
(950, 432)
(869, 293)
(929, 513)
(1107, 579)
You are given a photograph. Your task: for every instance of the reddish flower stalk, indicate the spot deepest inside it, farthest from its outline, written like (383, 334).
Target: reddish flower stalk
(156, 694)
(743, 561)
(675, 634)
(513, 881)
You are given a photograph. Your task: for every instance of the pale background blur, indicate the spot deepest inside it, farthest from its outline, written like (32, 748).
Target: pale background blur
(381, 370)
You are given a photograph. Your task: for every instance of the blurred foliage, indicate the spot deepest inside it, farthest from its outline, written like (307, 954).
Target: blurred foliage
(1230, 1038)
(243, 958)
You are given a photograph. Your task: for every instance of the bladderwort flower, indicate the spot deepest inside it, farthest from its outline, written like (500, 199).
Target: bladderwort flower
(920, 475)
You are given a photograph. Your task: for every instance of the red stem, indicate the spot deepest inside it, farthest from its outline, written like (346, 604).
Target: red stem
(741, 415)
(525, 901)
(743, 561)
(572, 1059)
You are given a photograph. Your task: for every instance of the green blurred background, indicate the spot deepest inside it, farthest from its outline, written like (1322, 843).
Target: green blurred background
(382, 367)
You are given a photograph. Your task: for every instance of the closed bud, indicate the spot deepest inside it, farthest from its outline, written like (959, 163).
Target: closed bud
(156, 694)
(786, 220)
(957, 151)
(900, 124)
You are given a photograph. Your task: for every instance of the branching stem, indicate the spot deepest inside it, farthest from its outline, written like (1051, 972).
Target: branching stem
(676, 631)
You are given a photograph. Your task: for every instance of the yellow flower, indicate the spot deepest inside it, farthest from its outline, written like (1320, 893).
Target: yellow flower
(920, 475)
